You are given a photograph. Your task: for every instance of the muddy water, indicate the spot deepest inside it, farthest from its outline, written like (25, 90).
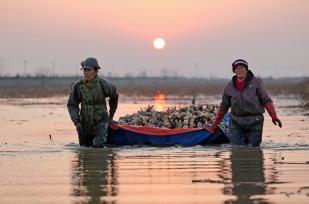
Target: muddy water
(40, 162)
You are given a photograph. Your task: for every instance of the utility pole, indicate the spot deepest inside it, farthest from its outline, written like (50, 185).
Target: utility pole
(196, 69)
(25, 67)
(1, 66)
(53, 68)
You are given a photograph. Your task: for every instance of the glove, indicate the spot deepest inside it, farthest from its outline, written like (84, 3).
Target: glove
(272, 112)
(111, 121)
(110, 118)
(216, 122)
(78, 125)
(276, 120)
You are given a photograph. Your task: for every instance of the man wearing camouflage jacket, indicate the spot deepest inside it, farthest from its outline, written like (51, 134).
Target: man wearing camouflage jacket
(92, 119)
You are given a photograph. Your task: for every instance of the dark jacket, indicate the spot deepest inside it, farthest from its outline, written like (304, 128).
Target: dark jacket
(249, 101)
(75, 98)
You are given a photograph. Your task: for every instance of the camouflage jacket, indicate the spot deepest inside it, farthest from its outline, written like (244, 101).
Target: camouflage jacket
(77, 97)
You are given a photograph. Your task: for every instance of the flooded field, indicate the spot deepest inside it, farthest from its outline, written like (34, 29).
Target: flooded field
(41, 162)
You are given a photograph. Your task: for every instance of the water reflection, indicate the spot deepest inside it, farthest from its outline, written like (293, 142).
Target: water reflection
(159, 101)
(248, 183)
(93, 176)
(172, 175)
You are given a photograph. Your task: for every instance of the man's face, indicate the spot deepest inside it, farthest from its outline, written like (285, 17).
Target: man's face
(241, 71)
(90, 74)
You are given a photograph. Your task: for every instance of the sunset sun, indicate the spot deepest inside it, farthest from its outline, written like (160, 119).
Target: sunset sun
(159, 43)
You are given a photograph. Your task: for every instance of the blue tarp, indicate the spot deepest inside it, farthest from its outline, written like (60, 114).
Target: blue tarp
(135, 135)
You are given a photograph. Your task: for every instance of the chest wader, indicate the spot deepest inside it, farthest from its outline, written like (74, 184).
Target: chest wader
(246, 130)
(93, 113)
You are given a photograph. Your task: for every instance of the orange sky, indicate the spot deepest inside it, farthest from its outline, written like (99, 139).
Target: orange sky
(145, 19)
(199, 34)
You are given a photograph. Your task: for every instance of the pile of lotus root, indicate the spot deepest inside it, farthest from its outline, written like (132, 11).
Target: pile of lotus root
(193, 116)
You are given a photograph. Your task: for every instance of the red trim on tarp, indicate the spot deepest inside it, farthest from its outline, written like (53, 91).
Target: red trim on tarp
(153, 130)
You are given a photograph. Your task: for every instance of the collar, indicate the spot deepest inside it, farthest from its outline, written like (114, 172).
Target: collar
(249, 77)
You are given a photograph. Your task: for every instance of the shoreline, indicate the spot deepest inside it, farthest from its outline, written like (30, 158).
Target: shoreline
(38, 87)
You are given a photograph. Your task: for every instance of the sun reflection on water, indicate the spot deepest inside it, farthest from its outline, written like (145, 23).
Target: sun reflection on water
(159, 101)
